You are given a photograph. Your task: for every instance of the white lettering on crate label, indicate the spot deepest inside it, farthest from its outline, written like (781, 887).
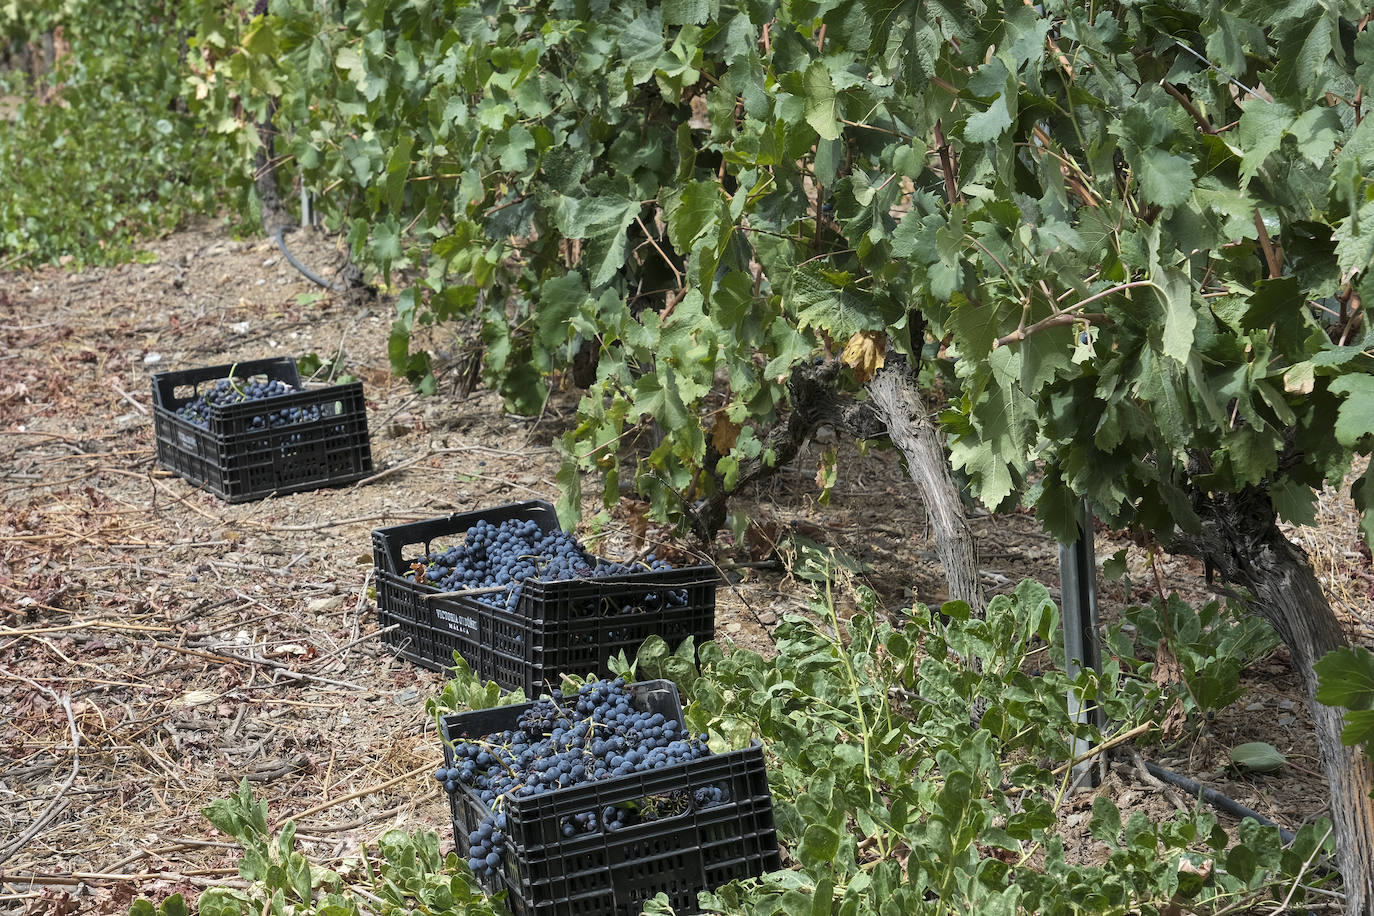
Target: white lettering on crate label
(457, 621)
(187, 440)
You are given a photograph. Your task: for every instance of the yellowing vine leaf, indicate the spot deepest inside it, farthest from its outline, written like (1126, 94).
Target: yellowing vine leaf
(864, 353)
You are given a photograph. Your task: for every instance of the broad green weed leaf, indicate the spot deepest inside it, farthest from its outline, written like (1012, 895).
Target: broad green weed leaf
(1257, 757)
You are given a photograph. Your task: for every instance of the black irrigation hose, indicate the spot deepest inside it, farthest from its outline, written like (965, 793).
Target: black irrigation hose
(1215, 798)
(305, 271)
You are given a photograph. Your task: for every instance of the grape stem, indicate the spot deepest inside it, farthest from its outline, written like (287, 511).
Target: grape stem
(492, 748)
(233, 382)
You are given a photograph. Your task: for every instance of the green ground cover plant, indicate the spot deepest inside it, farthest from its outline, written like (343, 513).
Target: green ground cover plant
(888, 798)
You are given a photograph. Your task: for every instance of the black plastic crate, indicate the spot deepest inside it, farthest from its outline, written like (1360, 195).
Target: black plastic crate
(568, 627)
(613, 872)
(239, 463)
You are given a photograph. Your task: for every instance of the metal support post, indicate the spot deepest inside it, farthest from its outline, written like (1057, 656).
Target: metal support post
(1078, 584)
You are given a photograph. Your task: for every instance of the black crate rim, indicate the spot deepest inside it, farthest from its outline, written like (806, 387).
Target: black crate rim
(238, 465)
(540, 506)
(279, 368)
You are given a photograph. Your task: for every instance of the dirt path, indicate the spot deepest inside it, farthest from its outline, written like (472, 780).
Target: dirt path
(128, 599)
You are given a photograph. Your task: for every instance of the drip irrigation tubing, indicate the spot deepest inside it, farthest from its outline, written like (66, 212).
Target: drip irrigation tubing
(1215, 798)
(305, 271)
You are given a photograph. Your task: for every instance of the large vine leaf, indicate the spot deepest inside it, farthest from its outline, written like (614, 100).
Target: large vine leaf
(832, 303)
(1356, 417)
(602, 221)
(1165, 176)
(821, 101)
(1346, 678)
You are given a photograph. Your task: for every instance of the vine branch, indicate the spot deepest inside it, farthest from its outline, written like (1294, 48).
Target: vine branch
(677, 274)
(1271, 256)
(50, 811)
(1189, 107)
(1068, 314)
(947, 164)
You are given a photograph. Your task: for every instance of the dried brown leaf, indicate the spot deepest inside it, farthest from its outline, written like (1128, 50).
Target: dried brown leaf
(637, 518)
(724, 434)
(761, 539)
(1174, 719)
(1167, 670)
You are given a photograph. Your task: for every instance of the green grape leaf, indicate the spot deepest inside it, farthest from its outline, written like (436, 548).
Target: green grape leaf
(1359, 728)
(1165, 177)
(1303, 47)
(1180, 320)
(560, 300)
(821, 101)
(831, 304)
(1355, 419)
(1345, 677)
(1316, 131)
(1259, 134)
(602, 221)
(693, 211)
(690, 12)
(991, 79)
(1355, 239)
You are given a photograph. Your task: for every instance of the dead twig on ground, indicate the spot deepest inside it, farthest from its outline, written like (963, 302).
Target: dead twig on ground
(286, 670)
(370, 790)
(49, 812)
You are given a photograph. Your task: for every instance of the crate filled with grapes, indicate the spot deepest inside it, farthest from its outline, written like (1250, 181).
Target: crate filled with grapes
(595, 801)
(248, 430)
(522, 602)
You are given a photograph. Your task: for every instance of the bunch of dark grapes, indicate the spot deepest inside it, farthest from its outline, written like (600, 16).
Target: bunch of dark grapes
(508, 554)
(229, 391)
(593, 735)
(541, 719)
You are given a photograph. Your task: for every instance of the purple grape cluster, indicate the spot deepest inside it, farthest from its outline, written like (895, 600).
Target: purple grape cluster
(594, 735)
(228, 391)
(514, 551)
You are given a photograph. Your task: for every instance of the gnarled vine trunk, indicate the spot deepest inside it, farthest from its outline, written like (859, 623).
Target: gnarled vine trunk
(815, 402)
(899, 405)
(894, 408)
(1242, 542)
(274, 213)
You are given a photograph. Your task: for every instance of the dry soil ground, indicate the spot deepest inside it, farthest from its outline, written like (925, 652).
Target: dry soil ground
(157, 645)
